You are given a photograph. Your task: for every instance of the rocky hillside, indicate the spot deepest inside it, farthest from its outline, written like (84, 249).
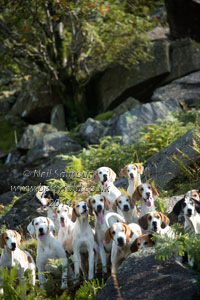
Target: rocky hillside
(150, 111)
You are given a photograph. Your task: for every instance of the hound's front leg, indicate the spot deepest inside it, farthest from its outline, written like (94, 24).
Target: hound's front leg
(103, 259)
(91, 263)
(64, 273)
(41, 276)
(76, 259)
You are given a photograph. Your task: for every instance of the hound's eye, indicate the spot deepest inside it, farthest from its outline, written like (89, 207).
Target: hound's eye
(77, 205)
(58, 211)
(101, 200)
(149, 186)
(65, 210)
(138, 244)
(7, 238)
(142, 189)
(150, 217)
(36, 223)
(126, 200)
(93, 201)
(157, 217)
(113, 232)
(100, 172)
(134, 168)
(184, 204)
(195, 195)
(128, 170)
(120, 201)
(146, 243)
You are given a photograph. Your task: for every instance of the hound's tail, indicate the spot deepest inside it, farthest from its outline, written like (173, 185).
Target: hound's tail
(115, 216)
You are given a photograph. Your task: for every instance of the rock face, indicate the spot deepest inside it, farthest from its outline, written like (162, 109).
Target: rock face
(35, 102)
(22, 212)
(92, 130)
(125, 106)
(183, 18)
(52, 144)
(127, 124)
(33, 133)
(117, 80)
(142, 277)
(58, 117)
(159, 168)
(184, 89)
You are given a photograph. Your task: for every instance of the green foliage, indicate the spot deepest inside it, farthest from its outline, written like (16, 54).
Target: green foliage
(155, 137)
(89, 290)
(104, 116)
(167, 247)
(161, 206)
(192, 170)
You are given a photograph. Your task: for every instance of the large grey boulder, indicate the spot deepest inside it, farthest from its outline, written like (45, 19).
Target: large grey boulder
(92, 130)
(51, 144)
(184, 59)
(183, 18)
(58, 117)
(127, 124)
(33, 133)
(184, 89)
(125, 106)
(117, 80)
(159, 167)
(142, 277)
(35, 102)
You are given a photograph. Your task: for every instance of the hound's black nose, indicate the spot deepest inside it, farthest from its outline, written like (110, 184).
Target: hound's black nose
(105, 177)
(99, 208)
(189, 211)
(148, 194)
(41, 230)
(120, 241)
(131, 175)
(13, 246)
(154, 223)
(126, 208)
(62, 219)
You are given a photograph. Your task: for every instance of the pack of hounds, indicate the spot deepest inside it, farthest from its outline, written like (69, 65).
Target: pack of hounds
(120, 228)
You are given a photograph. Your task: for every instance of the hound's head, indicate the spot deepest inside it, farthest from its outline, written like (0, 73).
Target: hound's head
(120, 233)
(40, 227)
(98, 204)
(10, 239)
(131, 171)
(192, 196)
(145, 193)
(63, 213)
(104, 175)
(154, 221)
(124, 203)
(49, 197)
(80, 209)
(190, 205)
(142, 242)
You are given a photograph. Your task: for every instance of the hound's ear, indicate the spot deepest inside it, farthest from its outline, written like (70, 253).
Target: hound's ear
(18, 237)
(2, 241)
(164, 220)
(107, 236)
(106, 203)
(143, 222)
(131, 201)
(115, 205)
(136, 195)
(51, 225)
(197, 205)
(55, 212)
(112, 175)
(134, 246)
(95, 177)
(123, 172)
(128, 232)
(155, 192)
(74, 215)
(89, 204)
(178, 207)
(31, 228)
(140, 168)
